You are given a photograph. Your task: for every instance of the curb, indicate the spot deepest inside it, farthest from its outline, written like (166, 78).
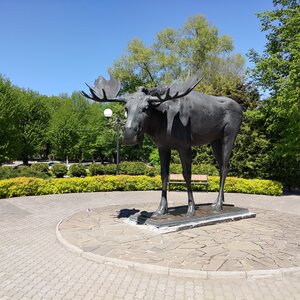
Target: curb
(188, 273)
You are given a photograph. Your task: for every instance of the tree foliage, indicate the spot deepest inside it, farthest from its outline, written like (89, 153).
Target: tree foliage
(61, 127)
(277, 70)
(174, 53)
(197, 45)
(33, 120)
(9, 147)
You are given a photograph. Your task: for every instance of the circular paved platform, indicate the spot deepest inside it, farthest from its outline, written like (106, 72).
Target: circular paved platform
(265, 246)
(33, 265)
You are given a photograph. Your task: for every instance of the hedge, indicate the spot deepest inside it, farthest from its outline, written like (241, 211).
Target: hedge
(59, 170)
(77, 170)
(41, 170)
(24, 186)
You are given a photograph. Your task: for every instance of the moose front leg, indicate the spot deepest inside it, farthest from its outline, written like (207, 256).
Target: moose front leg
(165, 155)
(186, 161)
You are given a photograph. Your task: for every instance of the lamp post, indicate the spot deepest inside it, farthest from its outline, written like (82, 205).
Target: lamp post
(108, 114)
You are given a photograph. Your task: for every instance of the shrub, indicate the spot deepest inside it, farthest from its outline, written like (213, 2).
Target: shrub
(152, 171)
(59, 170)
(8, 172)
(35, 186)
(154, 157)
(205, 169)
(196, 169)
(96, 169)
(238, 185)
(110, 169)
(77, 170)
(25, 171)
(23, 186)
(133, 168)
(40, 167)
(175, 168)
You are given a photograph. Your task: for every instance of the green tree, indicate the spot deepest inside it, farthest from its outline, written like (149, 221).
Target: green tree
(277, 71)
(63, 131)
(97, 138)
(251, 155)
(197, 45)
(33, 120)
(9, 107)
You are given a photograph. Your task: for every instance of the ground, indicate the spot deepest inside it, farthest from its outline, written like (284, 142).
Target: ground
(34, 265)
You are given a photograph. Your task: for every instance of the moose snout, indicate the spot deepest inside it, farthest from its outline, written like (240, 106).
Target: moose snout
(130, 136)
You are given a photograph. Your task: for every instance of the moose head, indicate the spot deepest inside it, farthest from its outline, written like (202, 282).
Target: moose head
(139, 105)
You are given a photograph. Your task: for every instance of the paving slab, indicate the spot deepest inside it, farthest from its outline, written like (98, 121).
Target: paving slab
(237, 247)
(33, 265)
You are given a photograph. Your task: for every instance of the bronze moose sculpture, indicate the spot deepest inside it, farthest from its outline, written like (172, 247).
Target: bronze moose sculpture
(176, 117)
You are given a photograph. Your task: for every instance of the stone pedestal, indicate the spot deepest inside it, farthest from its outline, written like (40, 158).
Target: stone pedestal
(176, 218)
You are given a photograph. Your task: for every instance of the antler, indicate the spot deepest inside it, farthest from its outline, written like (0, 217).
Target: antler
(104, 90)
(174, 91)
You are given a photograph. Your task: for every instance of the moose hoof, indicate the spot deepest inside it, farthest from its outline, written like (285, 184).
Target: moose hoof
(217, 207)
(160, 212)
(190, 212)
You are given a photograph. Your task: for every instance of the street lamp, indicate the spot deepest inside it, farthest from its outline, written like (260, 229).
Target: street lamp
(108, 114)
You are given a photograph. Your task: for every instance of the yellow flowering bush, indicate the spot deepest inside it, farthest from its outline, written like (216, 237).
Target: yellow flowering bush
(28, 186)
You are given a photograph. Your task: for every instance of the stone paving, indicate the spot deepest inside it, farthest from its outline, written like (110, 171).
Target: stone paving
(33, 265)
(270, 241)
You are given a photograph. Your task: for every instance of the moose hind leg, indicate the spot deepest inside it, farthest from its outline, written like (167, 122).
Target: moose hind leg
(217, 150)
(226, 147)
(186, 161)
(165, 156)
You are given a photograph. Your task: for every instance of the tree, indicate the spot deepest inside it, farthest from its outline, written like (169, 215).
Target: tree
(277, 70)
(97, 139)
(33, 119)
(175, 53)
(251, 155)
(63, 131)
(9, 103)
(195, 46)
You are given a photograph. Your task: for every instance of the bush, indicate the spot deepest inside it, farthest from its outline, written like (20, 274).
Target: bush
(77, 170)
(8, 172)
(35, 186)
(140, 168)
(205, 169)
(59, 170)
(23, 171)
(175, 168)
(237, 185)
(96, 169)
(133, 168)
(152, 171)
(154, 157)
(196, 169)
(40, 167)
(110, 169)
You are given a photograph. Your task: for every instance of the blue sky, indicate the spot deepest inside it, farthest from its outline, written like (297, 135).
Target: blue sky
(55, 46)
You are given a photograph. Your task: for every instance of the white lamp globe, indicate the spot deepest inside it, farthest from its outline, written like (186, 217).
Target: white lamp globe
(108, 113)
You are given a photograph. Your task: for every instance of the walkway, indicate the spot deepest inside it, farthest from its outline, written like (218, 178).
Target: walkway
(34, 265)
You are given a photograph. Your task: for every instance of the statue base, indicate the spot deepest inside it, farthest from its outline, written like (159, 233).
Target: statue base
(205, 214)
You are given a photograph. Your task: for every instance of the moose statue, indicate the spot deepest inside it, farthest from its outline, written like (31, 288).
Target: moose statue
(176, 117)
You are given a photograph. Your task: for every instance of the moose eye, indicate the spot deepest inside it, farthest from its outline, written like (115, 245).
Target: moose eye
(145, 108)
